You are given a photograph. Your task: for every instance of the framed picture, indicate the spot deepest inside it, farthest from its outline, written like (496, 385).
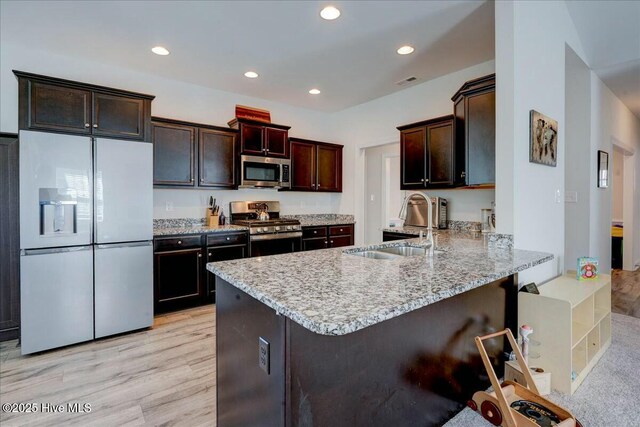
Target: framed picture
(543, 139)
(603, 169)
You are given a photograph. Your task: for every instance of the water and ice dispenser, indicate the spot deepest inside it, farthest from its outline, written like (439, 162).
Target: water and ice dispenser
(58, 211)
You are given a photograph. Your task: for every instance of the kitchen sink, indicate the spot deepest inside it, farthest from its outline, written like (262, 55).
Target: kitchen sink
(373, 254)
(404, 250)
(392, 252)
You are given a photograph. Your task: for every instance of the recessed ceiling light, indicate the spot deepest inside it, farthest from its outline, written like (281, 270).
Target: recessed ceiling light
(314, 91)
(251, 74)
(330, 13)
(405, 50)
(159, 50)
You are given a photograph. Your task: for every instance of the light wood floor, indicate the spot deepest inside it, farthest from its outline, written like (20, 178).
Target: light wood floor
(625, 292)
(161, 376)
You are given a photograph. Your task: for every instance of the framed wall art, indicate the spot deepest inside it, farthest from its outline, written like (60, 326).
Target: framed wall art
(543, 139)
(603, 169)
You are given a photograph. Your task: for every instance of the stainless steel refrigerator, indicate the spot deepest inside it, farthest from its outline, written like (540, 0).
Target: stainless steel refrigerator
(86, 230)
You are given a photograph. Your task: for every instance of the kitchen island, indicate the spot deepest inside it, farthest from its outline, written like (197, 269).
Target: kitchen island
(329, 337)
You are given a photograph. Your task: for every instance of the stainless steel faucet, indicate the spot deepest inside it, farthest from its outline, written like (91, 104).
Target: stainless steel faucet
(403, 216)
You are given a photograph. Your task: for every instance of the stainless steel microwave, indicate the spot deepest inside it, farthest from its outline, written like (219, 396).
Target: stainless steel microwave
(264, 172)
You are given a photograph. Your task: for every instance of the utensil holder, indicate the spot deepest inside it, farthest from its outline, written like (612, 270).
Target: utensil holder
(213, 221)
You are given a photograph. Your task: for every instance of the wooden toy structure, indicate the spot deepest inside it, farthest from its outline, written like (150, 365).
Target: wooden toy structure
(513, 405)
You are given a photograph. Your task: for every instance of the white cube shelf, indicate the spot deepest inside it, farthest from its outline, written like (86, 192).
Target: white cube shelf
(571, 320)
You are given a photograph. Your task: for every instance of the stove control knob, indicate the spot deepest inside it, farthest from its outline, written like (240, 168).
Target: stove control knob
(289, 227)
(277, 228)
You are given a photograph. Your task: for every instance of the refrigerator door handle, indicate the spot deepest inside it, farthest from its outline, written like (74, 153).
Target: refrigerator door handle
(125, 245)
(27, 252)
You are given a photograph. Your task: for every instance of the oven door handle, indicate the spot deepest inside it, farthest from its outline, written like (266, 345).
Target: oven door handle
(275, 236)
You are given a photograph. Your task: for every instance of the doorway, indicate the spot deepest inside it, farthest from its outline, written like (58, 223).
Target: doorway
(382, 189)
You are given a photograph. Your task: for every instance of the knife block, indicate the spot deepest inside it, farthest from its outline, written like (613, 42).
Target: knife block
(212, 220)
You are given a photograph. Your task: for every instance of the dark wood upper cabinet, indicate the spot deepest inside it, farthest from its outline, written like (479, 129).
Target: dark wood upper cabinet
(174, 153)
(217, 167)
(475, 117)
(251, 138)
(315, 166)
(413, 157)
(194, 155)
(440, 138)
(262, 139)
(329, 167)
(277, 142)
(303, 166)
(66, 106)
(118, 116)
(427, 154)
(57, 107)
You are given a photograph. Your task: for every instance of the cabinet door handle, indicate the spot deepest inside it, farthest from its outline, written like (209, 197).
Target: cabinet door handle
(209, 253)
(463, 174)
(201, 179)
(199, 255)
(87, 125)
(341, 229)
(332, 242)
(426, 180)
(95, 125)
(266, 149)
(315, 231)
(326, 243)
(228, 238)
(179, 242)
(422, 180)
(191, 180)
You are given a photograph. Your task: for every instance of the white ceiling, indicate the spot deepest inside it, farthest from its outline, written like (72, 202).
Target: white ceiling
(610, 35)
(351, 60)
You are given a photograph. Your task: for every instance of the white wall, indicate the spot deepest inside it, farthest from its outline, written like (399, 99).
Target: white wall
(613, 123)
(530, 60)
(617, 183)
(192, 203)
(530, 65)
(375, 122)
(177, 100)
(578, 155)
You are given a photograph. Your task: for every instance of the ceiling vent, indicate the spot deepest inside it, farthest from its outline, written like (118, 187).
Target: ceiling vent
(407, 81)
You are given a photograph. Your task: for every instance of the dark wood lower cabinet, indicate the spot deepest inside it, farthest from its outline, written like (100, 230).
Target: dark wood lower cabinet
(178, 279)
(9, 239)
(221, 253)
(417, 369)
(322, 237)
(388, 236)
(181, 278)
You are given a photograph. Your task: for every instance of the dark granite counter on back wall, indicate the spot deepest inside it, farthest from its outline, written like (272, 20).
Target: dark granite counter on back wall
(180, 226)
(310, 220)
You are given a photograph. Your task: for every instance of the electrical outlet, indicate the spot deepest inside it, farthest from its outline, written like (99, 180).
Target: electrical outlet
(571, 197)
(263, 354)
(168, 206)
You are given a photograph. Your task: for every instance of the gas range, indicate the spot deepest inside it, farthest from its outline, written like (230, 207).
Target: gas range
(246, 213)
(269, 226)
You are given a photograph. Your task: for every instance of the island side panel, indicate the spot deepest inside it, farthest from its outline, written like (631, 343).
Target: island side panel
(246, 394)
(416, 369)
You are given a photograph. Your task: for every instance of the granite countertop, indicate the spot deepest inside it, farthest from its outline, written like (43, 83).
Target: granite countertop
(330, 292)
(318, 220)
(194, 229)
